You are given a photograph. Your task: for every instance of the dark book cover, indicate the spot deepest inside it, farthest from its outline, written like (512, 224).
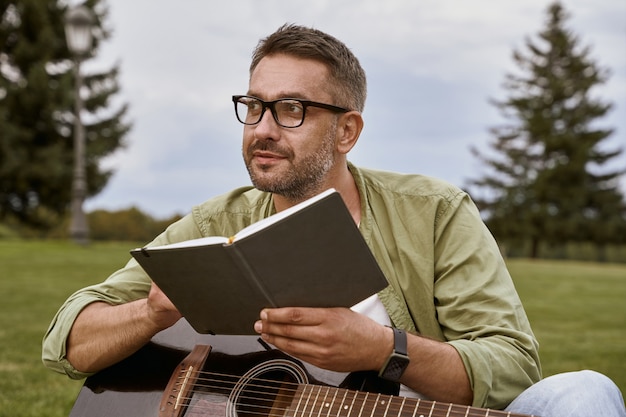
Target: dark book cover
(310, 256)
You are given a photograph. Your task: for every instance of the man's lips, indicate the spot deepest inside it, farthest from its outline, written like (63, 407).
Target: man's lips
(267, 157)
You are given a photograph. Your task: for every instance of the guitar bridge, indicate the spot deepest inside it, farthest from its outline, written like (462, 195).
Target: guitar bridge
(178, 391)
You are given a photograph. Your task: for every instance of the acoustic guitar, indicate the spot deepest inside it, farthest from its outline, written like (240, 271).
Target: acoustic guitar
(181, 373)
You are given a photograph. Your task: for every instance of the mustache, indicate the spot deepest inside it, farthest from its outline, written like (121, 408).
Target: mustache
(269, 146)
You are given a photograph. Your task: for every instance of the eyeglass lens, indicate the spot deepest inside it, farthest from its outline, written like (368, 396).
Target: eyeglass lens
(288, 113)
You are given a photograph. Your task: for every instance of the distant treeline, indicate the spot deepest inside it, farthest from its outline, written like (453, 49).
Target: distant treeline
(579, 251)
(126, 225)
(133, 225)
(129, 224)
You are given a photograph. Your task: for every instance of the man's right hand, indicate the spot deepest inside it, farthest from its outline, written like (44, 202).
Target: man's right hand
(104, 334)
(160, 309)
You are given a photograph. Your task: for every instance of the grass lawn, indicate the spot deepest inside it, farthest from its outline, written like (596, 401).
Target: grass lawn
(35, 278)
(578, 312)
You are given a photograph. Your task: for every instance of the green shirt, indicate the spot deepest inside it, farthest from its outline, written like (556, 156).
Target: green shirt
(447, 278)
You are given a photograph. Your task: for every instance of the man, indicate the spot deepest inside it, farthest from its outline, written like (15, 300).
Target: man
(468, 338)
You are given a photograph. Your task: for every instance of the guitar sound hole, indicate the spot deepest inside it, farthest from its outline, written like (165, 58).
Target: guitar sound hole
(268, 394)
(266, 389)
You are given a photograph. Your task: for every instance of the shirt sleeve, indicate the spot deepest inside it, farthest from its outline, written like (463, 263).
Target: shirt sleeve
(127, 284)
(479, 310)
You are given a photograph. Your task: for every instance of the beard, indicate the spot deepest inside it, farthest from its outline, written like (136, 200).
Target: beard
(304, 179)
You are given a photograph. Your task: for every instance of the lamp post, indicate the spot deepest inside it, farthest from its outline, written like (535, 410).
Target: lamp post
(78, 27)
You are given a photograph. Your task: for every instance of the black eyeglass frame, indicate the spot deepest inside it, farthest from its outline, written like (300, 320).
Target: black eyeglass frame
(271, 105)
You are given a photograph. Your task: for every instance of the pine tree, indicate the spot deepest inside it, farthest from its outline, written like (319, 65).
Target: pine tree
(547, 180)
(36, 112)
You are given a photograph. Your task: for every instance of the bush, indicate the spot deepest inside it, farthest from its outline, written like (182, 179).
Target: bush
(130, 225)
(126, 225)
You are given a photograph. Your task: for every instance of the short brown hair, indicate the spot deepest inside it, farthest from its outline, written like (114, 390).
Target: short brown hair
(346, 72)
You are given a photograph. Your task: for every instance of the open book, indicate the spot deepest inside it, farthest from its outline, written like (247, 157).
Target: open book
(310, 255)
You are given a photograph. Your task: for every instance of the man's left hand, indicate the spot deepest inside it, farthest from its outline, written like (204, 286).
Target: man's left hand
(337, 339)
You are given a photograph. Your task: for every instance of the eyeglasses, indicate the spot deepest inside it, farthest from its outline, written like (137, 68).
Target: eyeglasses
(288, 112)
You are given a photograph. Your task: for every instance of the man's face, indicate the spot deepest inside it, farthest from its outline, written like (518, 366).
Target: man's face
(292, 162)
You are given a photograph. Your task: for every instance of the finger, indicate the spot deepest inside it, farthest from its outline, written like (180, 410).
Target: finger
(302, 348)
(301, 316)
(271, 330)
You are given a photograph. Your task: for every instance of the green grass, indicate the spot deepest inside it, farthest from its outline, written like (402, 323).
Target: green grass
(578, 312)
(35, 278)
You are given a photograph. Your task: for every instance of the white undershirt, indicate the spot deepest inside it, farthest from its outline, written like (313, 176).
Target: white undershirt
(373, 308)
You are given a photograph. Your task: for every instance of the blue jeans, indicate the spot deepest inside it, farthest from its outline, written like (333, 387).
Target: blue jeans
(572, 394)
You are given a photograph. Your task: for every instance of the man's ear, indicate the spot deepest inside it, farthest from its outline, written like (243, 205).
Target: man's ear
(349, 129)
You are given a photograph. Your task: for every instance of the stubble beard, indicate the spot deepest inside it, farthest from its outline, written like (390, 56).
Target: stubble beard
(305, 178)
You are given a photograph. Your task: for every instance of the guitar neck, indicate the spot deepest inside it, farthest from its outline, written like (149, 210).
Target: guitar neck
(324, 401)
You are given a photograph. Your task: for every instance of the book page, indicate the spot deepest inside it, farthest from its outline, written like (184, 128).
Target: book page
(246, 231)
(203, 241)
(262, 224)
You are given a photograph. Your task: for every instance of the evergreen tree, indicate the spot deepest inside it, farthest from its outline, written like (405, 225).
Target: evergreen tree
(36, 112)
(547, 179)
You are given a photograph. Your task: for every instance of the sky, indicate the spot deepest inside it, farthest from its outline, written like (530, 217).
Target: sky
(432, 65)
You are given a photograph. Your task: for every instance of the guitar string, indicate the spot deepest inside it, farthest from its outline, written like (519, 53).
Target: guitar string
(273, 411)
(435, 409)
(286, 395)
(452, 409)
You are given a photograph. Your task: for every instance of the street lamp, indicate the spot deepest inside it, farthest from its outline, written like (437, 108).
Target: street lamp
(78, 27)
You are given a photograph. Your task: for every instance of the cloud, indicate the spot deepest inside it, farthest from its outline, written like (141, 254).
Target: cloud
(432, 66)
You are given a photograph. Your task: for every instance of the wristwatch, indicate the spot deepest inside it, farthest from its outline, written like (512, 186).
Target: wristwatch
(397, 362)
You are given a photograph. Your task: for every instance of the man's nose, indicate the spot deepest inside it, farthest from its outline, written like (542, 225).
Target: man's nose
(267, 128)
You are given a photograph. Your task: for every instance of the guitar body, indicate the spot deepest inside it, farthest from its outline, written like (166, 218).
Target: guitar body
(181, 373)
(135, 386)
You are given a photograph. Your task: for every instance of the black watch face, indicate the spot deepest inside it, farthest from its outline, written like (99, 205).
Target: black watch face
(395, 367)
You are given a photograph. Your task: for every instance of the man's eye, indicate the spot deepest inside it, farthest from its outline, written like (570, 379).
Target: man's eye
(295, 108)
(254, 106)
(291, 107)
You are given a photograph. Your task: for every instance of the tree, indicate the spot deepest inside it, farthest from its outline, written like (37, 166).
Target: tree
(547, 180)
(36, 112)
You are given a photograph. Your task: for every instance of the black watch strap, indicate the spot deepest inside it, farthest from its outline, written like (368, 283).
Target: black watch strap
(397, 362)
(399, 341)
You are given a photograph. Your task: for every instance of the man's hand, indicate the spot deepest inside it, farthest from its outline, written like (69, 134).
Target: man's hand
(105, 334)
(337, 339)
(342, 340)
(160, 309)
